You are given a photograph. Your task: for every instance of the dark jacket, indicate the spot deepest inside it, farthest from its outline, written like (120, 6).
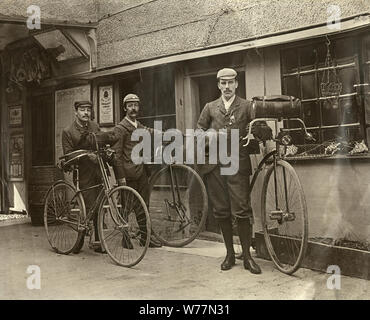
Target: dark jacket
(124, 167)
(74, 138)
(215, 116)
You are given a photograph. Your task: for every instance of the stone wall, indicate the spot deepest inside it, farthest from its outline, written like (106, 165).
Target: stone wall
(144, 29)
(80, 11)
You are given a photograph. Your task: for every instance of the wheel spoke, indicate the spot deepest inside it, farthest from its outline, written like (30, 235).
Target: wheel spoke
(178, 205)
(61, 222)
(122, 238)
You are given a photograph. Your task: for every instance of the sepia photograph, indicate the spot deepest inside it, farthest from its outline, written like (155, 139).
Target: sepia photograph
(186, 155)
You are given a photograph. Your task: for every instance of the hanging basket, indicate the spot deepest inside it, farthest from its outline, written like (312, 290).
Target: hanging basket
(330, 85)
(330, 89)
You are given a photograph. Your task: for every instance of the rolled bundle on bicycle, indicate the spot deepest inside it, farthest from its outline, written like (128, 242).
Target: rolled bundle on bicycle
(276, 106)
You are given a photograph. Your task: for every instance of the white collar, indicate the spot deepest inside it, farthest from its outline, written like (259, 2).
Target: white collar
(132, 122)
(229, 102)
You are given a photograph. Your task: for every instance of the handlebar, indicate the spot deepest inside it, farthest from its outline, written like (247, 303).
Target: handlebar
(249, 136)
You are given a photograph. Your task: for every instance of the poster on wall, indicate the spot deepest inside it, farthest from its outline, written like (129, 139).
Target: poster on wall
(106, 106)
(16, 157)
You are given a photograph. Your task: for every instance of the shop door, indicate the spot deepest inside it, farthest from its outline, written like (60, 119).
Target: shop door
(43, 171)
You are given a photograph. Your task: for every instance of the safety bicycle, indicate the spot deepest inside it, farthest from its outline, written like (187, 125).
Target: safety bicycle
(124, 224)
(283, 206)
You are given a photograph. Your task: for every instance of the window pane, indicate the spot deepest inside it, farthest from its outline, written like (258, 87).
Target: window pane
(290, 60)
(367, 49)
(291, 124)
(297, 137)
(344, 49)
(308, 86)
(320, 52)
(330, 112)
(291, 86)
(308, 57)
(349, 110)
(311, 114)
(56, 38)
(354, 134)
(347, 77)
(333, 134)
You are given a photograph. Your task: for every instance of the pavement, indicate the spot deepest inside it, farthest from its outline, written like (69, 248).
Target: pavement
(189, 273)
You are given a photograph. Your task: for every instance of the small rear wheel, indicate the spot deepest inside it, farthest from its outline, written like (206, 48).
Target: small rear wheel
(64, 212)
(124, 226)
(284, 217)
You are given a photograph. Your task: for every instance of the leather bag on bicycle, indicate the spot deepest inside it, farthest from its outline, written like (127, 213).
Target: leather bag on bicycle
(276, 106)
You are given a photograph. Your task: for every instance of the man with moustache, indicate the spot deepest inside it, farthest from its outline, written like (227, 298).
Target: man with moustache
(76, 137)
(230, 194)
(126, 171)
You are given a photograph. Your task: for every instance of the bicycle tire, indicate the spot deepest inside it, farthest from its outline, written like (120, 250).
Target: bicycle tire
(123, 234)
(167, 224)
(64, 210)
(286, 234)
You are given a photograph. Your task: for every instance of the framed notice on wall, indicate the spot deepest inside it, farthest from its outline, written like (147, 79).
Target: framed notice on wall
(16, 157)
(15, 116)
(105, 105)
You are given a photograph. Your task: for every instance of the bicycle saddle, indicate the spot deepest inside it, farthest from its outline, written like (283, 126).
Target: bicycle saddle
(72, 158)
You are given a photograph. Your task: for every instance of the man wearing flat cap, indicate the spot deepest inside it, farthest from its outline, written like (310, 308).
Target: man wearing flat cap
(126, 171)
(230, 194)
(76, 137)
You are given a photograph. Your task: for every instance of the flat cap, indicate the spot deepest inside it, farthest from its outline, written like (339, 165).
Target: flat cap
(85, 103)
(226, 74)
(131, 97)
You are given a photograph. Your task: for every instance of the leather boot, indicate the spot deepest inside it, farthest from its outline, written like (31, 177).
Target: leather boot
(227, 233)
(245, 235)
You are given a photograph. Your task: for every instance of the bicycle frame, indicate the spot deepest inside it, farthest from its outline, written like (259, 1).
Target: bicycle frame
(104, 191)
(275, 154)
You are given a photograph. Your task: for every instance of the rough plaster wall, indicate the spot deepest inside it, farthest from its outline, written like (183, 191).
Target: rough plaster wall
(82, 11)
(332, 212)
(154, 28)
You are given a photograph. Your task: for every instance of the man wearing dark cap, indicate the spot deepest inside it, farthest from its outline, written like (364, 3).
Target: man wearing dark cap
(135, 175)
(230, 194)
(76, 137)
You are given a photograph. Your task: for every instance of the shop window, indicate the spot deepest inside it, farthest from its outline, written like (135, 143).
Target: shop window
(42, 115)
(156, 90)
(304, 68)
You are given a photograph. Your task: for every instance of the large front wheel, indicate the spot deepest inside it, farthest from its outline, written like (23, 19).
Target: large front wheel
(284, 217)
(124, 226)
(178, 205)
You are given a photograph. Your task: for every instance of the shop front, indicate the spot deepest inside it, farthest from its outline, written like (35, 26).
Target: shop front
(32, 61)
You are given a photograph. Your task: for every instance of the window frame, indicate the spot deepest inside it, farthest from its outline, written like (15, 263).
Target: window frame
(353, 62)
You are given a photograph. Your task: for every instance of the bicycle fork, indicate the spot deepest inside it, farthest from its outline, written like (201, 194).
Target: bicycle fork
(278, 214)
(176, 203)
